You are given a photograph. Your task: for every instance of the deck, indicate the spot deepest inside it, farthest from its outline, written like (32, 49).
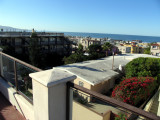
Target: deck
(7, 111)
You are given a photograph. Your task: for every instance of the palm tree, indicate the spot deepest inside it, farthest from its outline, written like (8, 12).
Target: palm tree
(107, 47)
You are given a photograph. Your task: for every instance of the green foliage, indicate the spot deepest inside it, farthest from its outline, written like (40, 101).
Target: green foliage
(121, 116)
(74, 58)
(158, 78)
(142, 67)
(94, 48)
(107, 46)
(95, 52)
(95, 56)
(8, 49)
(147, 50)
(80, 49)
(34, 50)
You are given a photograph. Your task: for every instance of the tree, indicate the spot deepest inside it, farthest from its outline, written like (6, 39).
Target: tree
(107, 46)
(147, 50)
(8, 49)
(76, 57)
(94, 48)
(95, 52)
(80, 49)
(143, 67)
(34, 50)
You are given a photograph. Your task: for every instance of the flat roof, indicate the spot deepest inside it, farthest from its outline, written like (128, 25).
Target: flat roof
(97, 71)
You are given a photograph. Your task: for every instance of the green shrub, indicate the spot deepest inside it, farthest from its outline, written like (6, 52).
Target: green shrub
(143, 67)
(121, 116)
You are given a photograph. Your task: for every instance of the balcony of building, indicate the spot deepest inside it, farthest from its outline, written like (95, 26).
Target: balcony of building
(28, 34)
(7, 111)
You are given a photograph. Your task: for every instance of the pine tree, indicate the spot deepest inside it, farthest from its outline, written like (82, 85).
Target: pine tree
(34, 50)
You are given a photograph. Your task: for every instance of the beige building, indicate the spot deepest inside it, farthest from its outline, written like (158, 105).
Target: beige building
(88, 41)
(124, 49)
(96, 75)
(155, 49)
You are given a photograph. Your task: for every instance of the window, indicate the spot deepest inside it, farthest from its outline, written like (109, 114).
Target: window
(81, 83)
(154, 47)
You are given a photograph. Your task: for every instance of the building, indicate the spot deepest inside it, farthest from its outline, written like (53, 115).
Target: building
(137, 41)
(155, 49)
(124, 49)
(98, 75)
(134, 47)
(86, 42)
(49, 42)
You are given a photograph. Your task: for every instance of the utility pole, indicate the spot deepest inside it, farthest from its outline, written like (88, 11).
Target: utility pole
(113, 61)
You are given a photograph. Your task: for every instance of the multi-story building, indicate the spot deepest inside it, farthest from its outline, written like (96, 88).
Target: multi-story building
(48, 41)
(88, 41)
(155, 49)
(135, 48)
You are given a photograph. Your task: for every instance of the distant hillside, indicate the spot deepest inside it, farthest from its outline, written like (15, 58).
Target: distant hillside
(8, 28)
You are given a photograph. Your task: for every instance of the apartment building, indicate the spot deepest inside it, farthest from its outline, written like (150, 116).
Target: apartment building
(88, 41)
(48, 42)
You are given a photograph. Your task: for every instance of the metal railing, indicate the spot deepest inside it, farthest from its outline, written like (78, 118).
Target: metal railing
(94, 101)
(16, 73)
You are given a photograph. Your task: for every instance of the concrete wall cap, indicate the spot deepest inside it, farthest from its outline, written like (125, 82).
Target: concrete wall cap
(52, 77)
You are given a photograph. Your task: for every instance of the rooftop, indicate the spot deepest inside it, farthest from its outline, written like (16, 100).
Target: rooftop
(97, 71)
(155, 45)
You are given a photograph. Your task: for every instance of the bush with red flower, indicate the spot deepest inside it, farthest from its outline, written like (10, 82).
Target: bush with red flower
(135, 89)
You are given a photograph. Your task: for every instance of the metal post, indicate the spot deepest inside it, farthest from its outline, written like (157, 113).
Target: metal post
(15, 73)
(1, 65)
(67, 101)
(113, 61)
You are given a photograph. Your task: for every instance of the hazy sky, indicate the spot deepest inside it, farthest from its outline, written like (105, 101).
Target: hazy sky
(139, 17)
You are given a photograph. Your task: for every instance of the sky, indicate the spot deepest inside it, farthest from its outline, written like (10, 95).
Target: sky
(133, 17)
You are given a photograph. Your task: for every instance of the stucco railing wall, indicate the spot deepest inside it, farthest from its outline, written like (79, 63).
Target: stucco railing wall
(80, 112)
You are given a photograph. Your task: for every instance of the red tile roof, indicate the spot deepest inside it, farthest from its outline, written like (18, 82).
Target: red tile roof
(155, 45)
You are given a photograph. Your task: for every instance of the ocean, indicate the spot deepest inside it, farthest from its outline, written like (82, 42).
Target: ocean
(147, 39)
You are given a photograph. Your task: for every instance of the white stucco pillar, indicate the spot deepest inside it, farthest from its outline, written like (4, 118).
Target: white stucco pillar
(49, 94)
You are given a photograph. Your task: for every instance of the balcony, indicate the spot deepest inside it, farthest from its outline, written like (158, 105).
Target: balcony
(52, 95)
(28, 34)
(7, 111)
